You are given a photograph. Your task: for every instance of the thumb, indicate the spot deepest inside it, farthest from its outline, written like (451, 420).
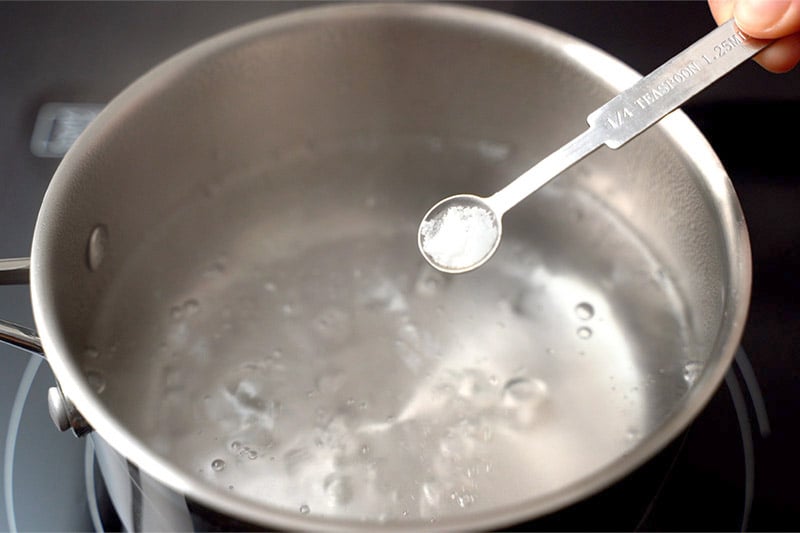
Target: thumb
(768, 19)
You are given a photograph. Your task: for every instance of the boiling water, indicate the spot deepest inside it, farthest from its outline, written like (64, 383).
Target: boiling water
(312, 360)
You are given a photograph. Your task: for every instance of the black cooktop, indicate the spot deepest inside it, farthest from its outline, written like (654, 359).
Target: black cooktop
(733, 468)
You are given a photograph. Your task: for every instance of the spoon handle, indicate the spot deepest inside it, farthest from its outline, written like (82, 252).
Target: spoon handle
(673, 83)
(637, 108)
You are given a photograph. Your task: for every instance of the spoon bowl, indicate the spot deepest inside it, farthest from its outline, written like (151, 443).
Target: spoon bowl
(460, 233)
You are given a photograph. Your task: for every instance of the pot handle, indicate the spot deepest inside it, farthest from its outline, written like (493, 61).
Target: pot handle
(17, 272)
(62, 412)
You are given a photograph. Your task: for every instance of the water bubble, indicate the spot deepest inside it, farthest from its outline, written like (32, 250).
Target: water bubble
(409, 355)
(217, 465)
(247, 394)
(470, 383)
(236, 445)
(492, 151)
(295, 459)
(191, 306)
(584, 332)
(691, 371)
(217, 268)
(429, 281)
(252, 454)
(305, 509)
(528, 304)
(456, 444)
(462, 497)
(408, 332)
(96, 247)
(187, 308)
(384, 296)
(523, 389)
(91, 352)
(584, 311)
(333, 324)
(522, 398)
(431, 492)
(96, 380)
(338, 488)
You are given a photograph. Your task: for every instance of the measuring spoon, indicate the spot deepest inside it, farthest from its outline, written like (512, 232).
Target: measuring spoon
(462, 232)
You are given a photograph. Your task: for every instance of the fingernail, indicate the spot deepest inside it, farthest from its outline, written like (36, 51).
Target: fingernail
(759, 15)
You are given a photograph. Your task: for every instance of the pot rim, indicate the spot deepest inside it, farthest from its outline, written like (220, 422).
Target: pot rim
(677, 127)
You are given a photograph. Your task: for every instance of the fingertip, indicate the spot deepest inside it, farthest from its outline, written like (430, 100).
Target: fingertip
(767, 19)
(721, 10)
(782, 56)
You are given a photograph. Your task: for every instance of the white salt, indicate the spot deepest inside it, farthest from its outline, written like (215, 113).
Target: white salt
(459, 237)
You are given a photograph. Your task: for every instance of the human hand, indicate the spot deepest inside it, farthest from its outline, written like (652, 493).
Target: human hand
(766, 19)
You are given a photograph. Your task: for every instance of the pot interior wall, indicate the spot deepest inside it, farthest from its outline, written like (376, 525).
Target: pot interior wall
(259, 313)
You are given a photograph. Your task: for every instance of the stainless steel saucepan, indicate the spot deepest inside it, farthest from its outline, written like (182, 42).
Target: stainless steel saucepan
(226, 285)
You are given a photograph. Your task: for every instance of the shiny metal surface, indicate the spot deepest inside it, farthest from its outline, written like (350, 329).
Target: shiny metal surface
(240, 275)
(63, 413)
(57, 409)
(21, 337)
(672, 84)
(15, 271)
